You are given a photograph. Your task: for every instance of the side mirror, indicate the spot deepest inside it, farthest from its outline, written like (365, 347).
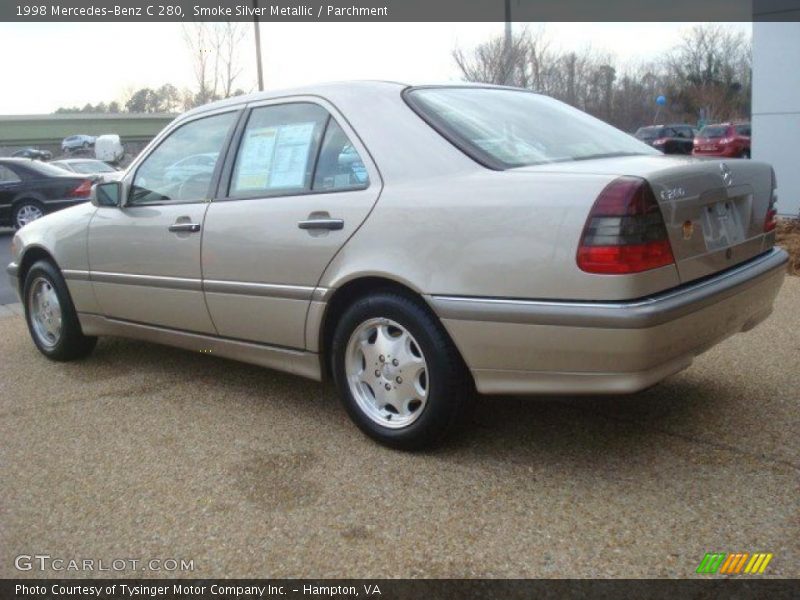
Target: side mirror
(107, 194)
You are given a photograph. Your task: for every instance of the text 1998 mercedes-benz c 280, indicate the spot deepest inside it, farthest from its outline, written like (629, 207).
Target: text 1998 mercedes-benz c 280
(416, 244)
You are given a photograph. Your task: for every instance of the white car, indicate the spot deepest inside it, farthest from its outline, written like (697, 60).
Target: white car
(77, 142)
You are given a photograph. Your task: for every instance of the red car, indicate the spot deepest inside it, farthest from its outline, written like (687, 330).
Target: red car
(731, 140)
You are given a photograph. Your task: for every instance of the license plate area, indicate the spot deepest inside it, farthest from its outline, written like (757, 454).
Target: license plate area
(724, 222)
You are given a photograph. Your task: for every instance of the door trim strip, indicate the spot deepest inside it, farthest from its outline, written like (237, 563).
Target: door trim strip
(214, 286)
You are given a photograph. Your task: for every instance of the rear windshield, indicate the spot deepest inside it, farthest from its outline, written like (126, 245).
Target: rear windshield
(41, 168)
(650, 133)
(714, 131)
(503, 128)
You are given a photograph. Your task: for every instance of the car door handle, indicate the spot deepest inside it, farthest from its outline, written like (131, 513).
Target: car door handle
(331, 224)
(190, 227)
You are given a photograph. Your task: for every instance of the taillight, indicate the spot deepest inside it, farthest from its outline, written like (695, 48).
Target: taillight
(771, 219)
(83, 190)
(625, 231)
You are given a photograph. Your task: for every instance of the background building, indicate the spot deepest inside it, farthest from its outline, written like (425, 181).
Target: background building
(776, 106)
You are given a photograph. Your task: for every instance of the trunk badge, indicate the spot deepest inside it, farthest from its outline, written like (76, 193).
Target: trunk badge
(727, 176)
(688, 229)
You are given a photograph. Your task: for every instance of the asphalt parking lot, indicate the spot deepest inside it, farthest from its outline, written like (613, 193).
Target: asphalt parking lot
(144, 452)
(7, 294)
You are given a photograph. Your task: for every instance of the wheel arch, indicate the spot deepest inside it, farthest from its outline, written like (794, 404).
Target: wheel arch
(30, 256)
(349, 292)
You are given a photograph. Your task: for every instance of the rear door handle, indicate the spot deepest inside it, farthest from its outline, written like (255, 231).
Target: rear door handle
(189, 227)
(331, 224)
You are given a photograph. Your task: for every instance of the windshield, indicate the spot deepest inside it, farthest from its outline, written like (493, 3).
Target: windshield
(502, 128)
(713, 131)
(650, 133)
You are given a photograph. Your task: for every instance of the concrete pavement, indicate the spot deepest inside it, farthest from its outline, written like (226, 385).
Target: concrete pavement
(143, 452)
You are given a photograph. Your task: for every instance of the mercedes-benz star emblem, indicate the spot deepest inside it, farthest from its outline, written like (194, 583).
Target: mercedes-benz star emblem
(727, 176)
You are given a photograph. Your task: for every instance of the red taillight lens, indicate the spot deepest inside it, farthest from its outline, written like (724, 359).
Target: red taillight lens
(771, 219)
(625, 231)
(83, 190)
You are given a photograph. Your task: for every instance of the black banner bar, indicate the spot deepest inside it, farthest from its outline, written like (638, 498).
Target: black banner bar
(398, 10)
(742, 588)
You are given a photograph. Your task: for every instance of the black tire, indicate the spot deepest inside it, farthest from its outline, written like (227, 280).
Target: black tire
(450, 385)
(745, 154)
(20, 206)
(71, 344)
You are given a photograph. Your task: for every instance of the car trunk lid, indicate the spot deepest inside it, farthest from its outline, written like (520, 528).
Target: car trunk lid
(714, 210)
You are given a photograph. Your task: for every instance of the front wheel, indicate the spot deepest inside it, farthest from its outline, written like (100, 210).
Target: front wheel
(51, 317)
(746, 153)
(398, 374)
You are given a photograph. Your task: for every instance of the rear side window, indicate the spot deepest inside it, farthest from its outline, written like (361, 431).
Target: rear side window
(339, 166)
(278, 150)
(7, 175)
(743, 130)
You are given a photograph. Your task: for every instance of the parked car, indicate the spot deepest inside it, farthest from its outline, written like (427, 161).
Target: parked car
(96, 170)
(33, 153)
(76, 142)
(108, 148)
(670, 139)
(30, 189)
(730, 140)
(484, 238)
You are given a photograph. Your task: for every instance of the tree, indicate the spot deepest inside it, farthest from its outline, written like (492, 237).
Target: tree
(707, 73)
(214, 48)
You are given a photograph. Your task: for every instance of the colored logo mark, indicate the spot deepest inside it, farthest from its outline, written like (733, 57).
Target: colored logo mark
(734, 563)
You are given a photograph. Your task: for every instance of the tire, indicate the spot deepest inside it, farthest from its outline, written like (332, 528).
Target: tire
(745, 154)
(51, 317)
(26, 211)
(433, 397)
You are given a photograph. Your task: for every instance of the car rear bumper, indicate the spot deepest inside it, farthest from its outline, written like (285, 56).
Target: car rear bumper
(527, 346)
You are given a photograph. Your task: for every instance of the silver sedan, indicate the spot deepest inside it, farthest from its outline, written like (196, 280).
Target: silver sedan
(416, 244)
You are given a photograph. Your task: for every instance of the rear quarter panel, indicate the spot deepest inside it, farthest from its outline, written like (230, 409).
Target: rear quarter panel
(487, 234)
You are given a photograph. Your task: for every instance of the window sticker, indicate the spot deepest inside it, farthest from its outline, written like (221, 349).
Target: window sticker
(274, 157)
(255, 159)
(291, 155)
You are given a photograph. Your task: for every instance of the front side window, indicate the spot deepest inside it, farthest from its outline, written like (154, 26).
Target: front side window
(180, 169)
(278, 150)
(503, 128)
(743, 130)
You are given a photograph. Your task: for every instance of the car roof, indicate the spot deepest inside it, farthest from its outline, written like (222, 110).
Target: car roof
(335, 90)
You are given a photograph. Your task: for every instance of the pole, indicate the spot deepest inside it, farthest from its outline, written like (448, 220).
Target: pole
(507, 45)
(258, 48)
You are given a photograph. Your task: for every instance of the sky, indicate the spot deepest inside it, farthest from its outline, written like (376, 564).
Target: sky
(71, 64)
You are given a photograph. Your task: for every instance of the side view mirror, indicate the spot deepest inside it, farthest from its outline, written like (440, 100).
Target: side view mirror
(107, 194)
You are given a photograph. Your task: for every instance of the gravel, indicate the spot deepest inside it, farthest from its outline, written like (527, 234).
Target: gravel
(148, 452)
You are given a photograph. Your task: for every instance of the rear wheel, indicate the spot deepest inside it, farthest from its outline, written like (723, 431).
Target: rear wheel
(27, 211)
(399, 376)
(51, 317)
(746, 153)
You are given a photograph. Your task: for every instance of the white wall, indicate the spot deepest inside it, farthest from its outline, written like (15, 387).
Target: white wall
(776, 107)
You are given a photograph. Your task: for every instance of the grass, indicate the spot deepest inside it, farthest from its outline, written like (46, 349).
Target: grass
(788, 237)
